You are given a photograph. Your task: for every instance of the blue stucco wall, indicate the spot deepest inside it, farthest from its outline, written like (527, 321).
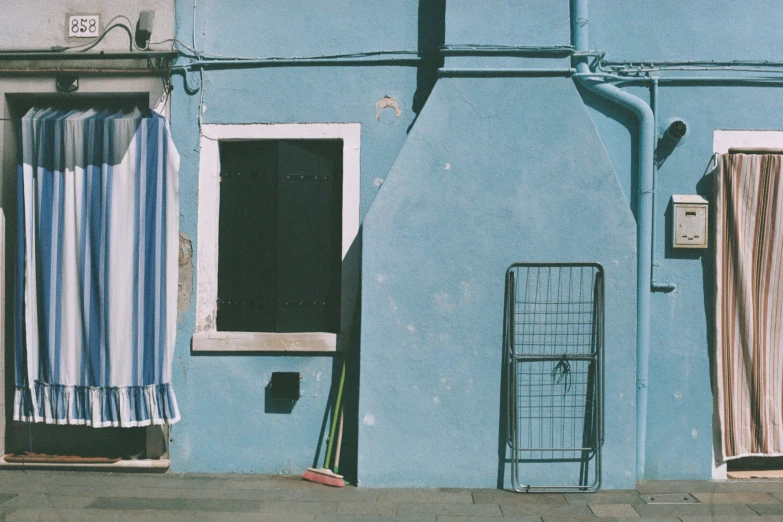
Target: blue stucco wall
(680, 425)
(680, 419)
(224, 424)
(495, 171)
(508, 23)
(673, 30)
(538, 169)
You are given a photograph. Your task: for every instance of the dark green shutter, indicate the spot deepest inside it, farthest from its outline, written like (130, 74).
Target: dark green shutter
(308, 250)
(247, 236)
(280, 236)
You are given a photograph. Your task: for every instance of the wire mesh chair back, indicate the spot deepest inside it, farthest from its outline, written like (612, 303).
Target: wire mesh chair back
(554, 353)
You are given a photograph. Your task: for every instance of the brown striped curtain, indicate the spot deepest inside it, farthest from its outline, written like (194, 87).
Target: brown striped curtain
(749, 304)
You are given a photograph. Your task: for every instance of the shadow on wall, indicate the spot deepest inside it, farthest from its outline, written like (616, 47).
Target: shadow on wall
(627, 120)
(505, 400)
(706, 189)
(349, 347)
(432, 34)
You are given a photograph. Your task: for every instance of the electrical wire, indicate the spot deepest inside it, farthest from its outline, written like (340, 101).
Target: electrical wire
(128, 29)
(98, 38)
(490, 48)
(646, 67)
(221, 57)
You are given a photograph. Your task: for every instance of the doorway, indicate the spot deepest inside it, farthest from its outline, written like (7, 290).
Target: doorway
(50, 442)
(748, 290)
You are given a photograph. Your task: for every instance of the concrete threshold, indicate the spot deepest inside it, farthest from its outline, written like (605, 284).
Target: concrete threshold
(140, 465)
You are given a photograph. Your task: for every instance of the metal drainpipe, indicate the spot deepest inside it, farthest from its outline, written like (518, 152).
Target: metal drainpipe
(644, 217)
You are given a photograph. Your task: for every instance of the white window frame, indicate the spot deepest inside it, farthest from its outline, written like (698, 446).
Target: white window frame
(722, 141)
(207, 337)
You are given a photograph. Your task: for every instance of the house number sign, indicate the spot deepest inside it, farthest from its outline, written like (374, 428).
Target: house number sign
(83, 26)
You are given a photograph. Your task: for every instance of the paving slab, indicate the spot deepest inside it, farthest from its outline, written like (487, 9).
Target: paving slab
(680, 510)
(96, 479)
(764, 486)
(376, 518)
(216, 516)
(749, 497)
(276, 507)
(425, 495)
(567, 510)
(455, 508)
(13, 488)
(495, 496)
(649, 519)
(48, 501)
(367, 508)
(450, 518)
(143, 515)
(216, 493)
(162, 481)
(6, 497)
(47, 515)
(135, 492)
(324, 493)
(613, 510)
(287, 484)
(619, 496)
(754, 518)
(176, 504)
(680, 486)
(576, 518)
(767, 509)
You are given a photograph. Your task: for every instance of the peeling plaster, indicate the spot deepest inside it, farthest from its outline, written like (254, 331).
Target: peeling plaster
(185, 281)
(387, 103)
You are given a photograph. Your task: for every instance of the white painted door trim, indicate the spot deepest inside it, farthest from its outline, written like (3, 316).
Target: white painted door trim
(722, 141)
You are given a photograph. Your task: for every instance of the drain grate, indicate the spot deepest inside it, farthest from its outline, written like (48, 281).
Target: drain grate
(670, 498)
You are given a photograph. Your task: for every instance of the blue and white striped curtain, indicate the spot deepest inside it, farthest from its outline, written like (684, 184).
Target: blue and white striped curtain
(96, 284)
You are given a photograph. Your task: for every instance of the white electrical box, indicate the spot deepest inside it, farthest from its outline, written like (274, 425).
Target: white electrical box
(690, 221)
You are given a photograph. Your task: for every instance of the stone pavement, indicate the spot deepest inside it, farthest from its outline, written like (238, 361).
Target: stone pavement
(93, 496)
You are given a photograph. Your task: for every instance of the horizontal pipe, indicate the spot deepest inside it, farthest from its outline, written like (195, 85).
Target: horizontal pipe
(653, 63)
(555, 449)
(683, 79)
(480, 72)
(92, 71)
(505, 50)
(316, 62)
(554, 357)
(720, 79)
(755, 150)
(141, 55)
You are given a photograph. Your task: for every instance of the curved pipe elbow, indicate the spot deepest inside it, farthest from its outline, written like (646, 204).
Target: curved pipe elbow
(613, 93)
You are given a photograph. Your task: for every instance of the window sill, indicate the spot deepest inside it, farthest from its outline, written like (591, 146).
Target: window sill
(264, 342)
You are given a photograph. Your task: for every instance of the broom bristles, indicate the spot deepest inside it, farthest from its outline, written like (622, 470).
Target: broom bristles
(324, 476)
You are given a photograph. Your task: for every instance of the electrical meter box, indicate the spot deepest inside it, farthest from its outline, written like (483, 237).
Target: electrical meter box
(690, 221)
